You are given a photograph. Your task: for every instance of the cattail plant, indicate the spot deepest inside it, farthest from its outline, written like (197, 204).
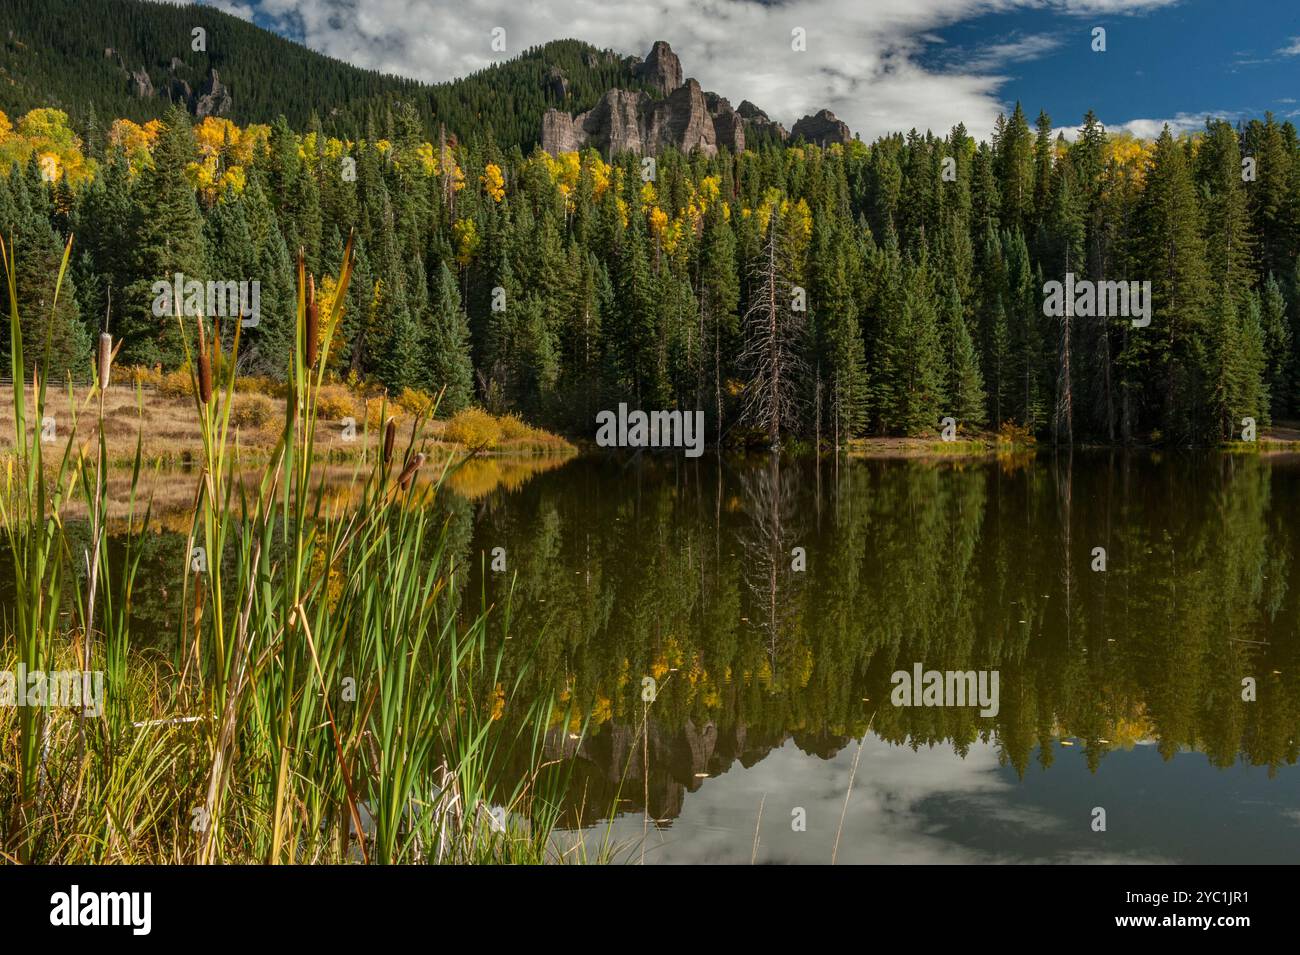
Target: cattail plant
(313, 322)
(105, 358)
(390, 438)
(408, 472)
(205, 368)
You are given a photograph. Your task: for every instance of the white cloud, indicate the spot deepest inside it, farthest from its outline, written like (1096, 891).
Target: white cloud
(242, 10)
(1015, 51)
(236, 8)
(909, 807)
(1182, 123)
(1151, 128)
(1114, 7)
(1293, 49)
(862, 59)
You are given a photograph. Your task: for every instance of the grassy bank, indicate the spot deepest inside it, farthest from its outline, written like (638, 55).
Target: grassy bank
(155, 412)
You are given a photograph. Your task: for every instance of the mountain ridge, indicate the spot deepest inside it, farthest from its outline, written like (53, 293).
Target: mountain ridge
(686, 118)
(100, 60)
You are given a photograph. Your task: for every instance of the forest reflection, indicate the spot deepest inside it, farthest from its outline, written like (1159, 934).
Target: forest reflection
(622, 568)
(684, 572)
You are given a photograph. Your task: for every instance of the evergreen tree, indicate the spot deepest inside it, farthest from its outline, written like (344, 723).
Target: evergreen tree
(1013, 146)
(448, 346)
(1277, 343)
(166, 240)
(963, 383)
(54, 338)
(1170, 254)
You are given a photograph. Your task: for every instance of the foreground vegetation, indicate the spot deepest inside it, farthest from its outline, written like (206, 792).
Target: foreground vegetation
(326, 701)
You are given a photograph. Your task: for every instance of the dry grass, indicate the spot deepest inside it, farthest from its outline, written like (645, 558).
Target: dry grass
(162, 417)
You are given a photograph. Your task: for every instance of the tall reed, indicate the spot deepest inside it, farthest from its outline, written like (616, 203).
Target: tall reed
(326, 701)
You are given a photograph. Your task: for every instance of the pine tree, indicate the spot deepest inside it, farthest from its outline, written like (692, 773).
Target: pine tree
(1228, 242)
(1171, 255)
(1065, 229)
(963, 383)
(1275, 204)
(1024, 315)
(1013, 146)
(1043, 165)
(719, 297)
(54, 338)
(448, 346)
(1277, 344)
(166, 239)
(231, 258)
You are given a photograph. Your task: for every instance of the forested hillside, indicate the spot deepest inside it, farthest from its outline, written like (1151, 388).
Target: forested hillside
(561, 286)
(99, 60)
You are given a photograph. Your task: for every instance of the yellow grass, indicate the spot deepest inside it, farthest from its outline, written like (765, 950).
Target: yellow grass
(163, 415)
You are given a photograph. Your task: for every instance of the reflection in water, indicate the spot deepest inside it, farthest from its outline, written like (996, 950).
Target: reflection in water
(1119, 688)
(768, 676)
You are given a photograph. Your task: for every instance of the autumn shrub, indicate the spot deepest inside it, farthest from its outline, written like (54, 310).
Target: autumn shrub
(144, 376)
(334, 402)
(415, 402)
(252, 410)
(176, 384)
(514, 428)
(474, 428)
(1015, 434)
(261, 385)
(378, 411)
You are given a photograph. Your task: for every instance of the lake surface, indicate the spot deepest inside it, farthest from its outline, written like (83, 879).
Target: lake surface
(1118, 689)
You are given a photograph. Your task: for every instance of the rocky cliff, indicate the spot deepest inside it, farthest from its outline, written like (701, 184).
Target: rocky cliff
(686, 118)
(210, 98)
(632, 121)
(662, 70)
(823, 129)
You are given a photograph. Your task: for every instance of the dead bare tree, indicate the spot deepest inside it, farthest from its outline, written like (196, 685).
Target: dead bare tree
(1063, 419)
(772, 347)
(776, 507)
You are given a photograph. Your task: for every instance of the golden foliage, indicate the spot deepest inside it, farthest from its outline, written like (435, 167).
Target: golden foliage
(467, 240)
(415, 402)
(474, 428)
(494, 183)
(45, 135)
(335, 402)
(252, 410)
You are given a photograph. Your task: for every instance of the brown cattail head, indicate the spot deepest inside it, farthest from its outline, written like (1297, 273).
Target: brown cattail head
(105, 358)
(205, 368)
(313, 322)
(408, 472)
(390, 438)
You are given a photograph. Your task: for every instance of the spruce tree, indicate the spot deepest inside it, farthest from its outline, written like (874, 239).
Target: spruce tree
(54, 338)
(166, 239)
(448, 346)
(1275, 329)
(1170, 253)
(963, 383)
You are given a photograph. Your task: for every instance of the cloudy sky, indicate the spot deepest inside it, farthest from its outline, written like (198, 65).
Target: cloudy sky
(934, 806)
(880, 65)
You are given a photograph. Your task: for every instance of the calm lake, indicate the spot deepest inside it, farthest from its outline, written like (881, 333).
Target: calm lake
(770, 601)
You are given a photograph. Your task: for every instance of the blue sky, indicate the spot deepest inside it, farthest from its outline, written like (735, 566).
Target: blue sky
(1184, 60)
(881, 65)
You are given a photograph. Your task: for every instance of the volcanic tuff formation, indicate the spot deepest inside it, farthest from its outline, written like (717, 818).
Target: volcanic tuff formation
(822, 129)
(686, 118)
